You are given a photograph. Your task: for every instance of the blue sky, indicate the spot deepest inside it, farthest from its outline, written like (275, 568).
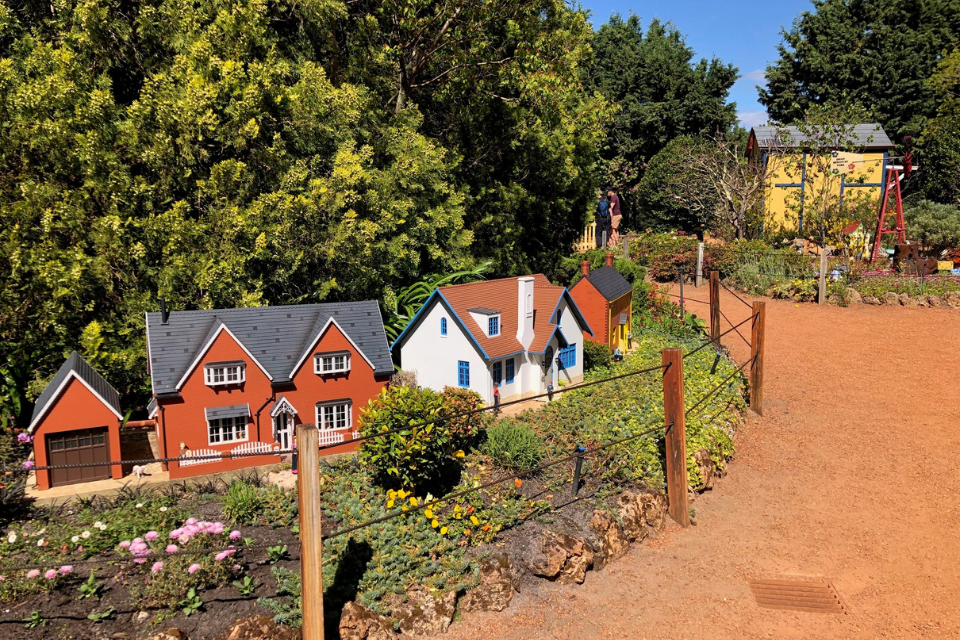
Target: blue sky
(744, 32)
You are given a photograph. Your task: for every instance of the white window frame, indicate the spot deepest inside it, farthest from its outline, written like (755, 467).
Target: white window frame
(319, 363)
(334, 405)
(237, 369)
(244, 420)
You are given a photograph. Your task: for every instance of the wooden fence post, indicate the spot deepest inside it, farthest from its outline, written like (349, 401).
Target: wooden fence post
(756, 352)
(626, 248)
(311, 540)
(676, 436)
(699, 282)
(681, 294)
(715, 306)
(822, 293)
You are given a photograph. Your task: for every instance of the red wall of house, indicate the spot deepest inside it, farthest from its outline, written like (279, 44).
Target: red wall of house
(184, 420)
(593, 306)
(76, 408)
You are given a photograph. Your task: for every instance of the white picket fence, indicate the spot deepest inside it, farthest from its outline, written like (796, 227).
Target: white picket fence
(331, 436)
(204, 460)
(254, 447)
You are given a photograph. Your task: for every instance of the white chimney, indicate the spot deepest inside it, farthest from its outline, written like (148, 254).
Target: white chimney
(525, 311)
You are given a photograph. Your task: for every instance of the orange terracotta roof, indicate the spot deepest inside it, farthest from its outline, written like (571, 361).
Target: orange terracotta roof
(503, 295)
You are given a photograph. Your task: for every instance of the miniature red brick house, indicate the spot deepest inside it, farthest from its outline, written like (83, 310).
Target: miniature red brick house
(237, 381)
(606, 300)
(76, 420)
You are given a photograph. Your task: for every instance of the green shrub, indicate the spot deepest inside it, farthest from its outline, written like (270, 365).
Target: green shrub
(464, 429)
(595, 355)
(935, 226)
(409, 457)
(513, 445)
(243, 502)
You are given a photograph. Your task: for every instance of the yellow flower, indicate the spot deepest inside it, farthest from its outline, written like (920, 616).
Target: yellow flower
(402, 494)
(434, 524)
(391, 493)
(460, 454)
(403, 508)
(443, 531)
(389, 504)
(474, 520)
(413, 501)
(428, 513)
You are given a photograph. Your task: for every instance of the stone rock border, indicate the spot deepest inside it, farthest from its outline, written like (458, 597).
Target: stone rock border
(949, 300)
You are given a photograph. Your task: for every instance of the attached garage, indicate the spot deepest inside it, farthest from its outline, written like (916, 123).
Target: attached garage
(78, 447)
(76, 421)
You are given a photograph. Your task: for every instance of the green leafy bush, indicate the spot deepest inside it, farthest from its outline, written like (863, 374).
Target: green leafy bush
(243, 502)
(287, 608)
(595, 355)
(935, 226)
(513, 445)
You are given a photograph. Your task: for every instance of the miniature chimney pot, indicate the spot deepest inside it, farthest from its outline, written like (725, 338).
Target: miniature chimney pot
(585, 268)
(609, 259)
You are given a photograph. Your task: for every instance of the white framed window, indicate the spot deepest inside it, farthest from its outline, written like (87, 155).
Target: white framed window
(327, 363)
(335, 415)
(223, 430)
(224, 373)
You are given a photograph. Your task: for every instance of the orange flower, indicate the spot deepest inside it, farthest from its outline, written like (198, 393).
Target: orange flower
(470, 510)
(466, 532)
(518, 482)
(486, 527)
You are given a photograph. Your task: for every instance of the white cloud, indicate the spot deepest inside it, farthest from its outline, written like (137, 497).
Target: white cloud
(749, 119)
(756, 76)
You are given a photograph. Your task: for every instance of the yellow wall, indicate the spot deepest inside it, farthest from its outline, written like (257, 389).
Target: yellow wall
(781, 201)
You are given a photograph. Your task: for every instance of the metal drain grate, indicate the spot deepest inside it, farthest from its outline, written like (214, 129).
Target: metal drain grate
(795, 595)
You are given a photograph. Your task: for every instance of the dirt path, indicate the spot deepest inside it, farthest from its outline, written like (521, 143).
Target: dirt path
(852, 474)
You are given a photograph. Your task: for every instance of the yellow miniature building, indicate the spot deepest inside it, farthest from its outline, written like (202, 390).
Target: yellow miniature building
(796, 175)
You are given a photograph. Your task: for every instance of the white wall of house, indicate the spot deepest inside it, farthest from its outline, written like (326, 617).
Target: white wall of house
(573, 332)
(434, 358)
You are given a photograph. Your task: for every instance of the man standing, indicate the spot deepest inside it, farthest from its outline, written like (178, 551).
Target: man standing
(603, 220)
(615, 216)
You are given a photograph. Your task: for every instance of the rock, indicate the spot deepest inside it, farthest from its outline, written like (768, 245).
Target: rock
(140, 617)
(284, 479)
(613, 540)
(707, 468)
(907, 301)
(922, 301)
(833, 299)
(642, 513)
(933, 301)
(170, 634)
(495, 589)
(563, 558)
(424, 614)
(952, 299)
(853, 296)
(891, 299)
(259, 627)
(871, 300)
(359, 623)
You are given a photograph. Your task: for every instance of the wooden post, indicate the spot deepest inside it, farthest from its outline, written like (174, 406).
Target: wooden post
(699, 265)
(311, 541)
(756, 352)
(626, 248)
(715, 306)
(681, 294)
(676, 437)
(822, 295)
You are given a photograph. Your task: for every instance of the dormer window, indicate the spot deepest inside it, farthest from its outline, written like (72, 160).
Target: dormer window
(220, 374)
(330, 363)
(488, 320)
(493, 326)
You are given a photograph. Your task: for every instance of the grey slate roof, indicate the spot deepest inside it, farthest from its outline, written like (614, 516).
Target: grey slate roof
(74, 363)
(609, 283)
(869, 136)
(233, 411)
(484, 311)
(276, 336)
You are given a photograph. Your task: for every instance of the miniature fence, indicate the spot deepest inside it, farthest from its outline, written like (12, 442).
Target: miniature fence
(311, 442)
(588, 239)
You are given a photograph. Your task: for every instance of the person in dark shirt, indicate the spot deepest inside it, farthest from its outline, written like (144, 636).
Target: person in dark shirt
(615, 215)
(603, 220)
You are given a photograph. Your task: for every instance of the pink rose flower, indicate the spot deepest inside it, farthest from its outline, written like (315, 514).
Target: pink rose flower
(157, 566)
(125, 544)
(223, 555)
(139, 560)
(65, 569)
(191, 521)
(234, 535)
(151, 536)
(176, 533)
(28, 464)
(193, 568)
(171, 548)
(50, 574)
(33, 573)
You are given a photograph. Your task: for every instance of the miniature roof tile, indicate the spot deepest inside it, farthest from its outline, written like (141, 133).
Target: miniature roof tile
(276, 336)
(609, 283)
(79, 367)
(868, 135)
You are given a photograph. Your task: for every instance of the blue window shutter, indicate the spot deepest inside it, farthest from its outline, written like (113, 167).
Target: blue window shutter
(498, 372)
(510, 371)
(443, 326)
(463, 373)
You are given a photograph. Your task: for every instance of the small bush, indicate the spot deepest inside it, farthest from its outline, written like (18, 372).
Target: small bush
(935, 226)
(243, 502)
(595, 355)
(515, 446)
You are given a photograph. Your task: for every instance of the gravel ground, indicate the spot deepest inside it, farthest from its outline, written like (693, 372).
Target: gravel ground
(850, 475)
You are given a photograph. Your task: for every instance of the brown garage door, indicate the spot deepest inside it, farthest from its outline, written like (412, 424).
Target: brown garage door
(78, 447)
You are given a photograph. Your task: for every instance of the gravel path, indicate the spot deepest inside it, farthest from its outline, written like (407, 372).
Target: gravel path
(852, 475)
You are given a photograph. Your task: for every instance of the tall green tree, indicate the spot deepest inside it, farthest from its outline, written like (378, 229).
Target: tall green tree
(661, 93)
(940, 143)
(873, 52)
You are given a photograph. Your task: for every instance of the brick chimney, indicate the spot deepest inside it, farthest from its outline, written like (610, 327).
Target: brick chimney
(585, 268)
(609, 259)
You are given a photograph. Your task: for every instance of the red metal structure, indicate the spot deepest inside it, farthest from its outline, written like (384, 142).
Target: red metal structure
(894, 176)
